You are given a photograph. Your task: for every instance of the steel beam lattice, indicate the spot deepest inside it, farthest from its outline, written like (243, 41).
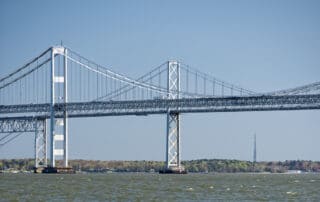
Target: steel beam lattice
(40, 144)
(173, 122)
(29, 124)
(160, 106)
(8, 125)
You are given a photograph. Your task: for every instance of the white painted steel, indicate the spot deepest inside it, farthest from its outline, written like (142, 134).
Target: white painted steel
(65, 117)
(58, 152)
(58, 137)
(59, 124)
(52, 114)
(58, 79)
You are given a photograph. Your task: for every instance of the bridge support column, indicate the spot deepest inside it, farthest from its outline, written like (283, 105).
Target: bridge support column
(173, 141)
(58, 126)
(40, 144)
(173, 162)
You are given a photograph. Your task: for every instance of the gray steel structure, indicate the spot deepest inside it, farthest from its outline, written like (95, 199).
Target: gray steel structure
(37, 125)
(173, 101)
(161, 106)
(173, 118)
(172, 107)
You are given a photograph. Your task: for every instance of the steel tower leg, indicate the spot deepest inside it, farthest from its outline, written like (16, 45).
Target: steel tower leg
(58, 126)
(173, 119)
(173, 140)
(40, 143)
(52, 101)
(65, 119)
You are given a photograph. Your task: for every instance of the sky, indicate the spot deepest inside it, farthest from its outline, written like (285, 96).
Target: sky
(258, 44)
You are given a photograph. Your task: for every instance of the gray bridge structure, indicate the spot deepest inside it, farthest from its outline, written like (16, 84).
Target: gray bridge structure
(59, 84)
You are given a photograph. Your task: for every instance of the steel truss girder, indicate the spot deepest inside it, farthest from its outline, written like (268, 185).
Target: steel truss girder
(19, 125)
(37, 112)
(29, 124)
(160, 106)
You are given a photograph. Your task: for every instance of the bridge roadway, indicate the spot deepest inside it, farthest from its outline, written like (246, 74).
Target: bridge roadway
(161, 106)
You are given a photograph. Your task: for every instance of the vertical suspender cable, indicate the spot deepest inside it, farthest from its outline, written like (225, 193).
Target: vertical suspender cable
(88, 72)
(97, 82)
(151, 81)
(187, 80)
(231, 90)
(46, 83)
(37, 83)
(222, 89)
(196, 83)
(20, 92)
(25, 90)
(71, 81)
(59, 74)
(106, 80)
(80, 80)
(205, 83)
(213, 86)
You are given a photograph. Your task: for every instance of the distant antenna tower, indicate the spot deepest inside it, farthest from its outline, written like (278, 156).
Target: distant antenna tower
(255, 149)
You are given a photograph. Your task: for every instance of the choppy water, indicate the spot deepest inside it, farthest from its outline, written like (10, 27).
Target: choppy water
(145, 187)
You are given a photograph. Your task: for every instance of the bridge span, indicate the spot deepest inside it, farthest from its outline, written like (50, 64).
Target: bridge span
(163, 106)
(59, 84)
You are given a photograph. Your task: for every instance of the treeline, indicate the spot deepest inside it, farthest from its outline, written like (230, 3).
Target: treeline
(232, 166)
(201, 165)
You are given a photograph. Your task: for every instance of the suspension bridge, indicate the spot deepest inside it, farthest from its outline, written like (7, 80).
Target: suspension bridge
(59, 84)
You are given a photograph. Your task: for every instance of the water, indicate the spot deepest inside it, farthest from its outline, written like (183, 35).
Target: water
(156, 187)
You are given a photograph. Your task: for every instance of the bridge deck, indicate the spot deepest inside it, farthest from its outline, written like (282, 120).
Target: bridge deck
(161, 106)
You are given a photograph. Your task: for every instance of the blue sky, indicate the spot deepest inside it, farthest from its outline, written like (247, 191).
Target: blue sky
(260, 45)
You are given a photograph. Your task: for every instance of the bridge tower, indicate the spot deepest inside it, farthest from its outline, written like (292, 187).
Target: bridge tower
(58, 126)
(173, 161)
